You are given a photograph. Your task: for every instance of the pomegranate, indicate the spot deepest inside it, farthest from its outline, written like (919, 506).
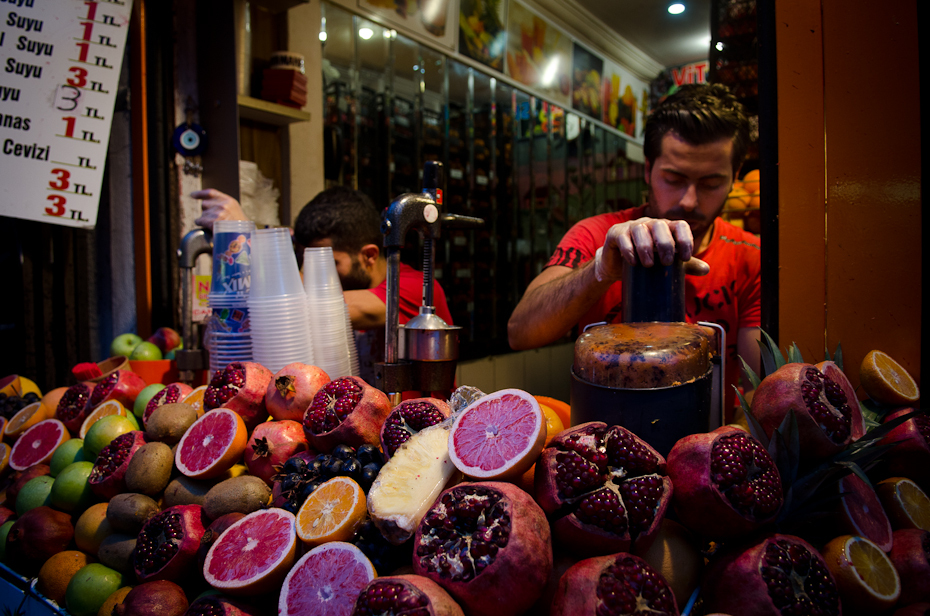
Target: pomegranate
(155, 598)
(403, 594)
(347, 410)
(166, 547)
(219, 605)
(823, 413)
(914, 609)
(857, 421)
(910, 456)
(292, 389)
(780, 575)
(6, 514)
(408, 418)
(910, 555)
(726, 483)
(35, 536)
(74, 406)
(171, 394)
(613, 585)
(240, 387)
(604, 488)
(271, 444)
(488, 544)
(121, 385)
(108, 477)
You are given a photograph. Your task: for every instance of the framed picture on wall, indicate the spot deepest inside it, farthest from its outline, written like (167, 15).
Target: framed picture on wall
(435, 19)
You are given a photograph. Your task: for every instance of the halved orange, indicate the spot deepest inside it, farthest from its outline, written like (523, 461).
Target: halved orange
(25, 418)
(562, 409)
(195, 399)
(332, 512)
(865, 576)
(110, 407)
(886, 381)
(905, 503)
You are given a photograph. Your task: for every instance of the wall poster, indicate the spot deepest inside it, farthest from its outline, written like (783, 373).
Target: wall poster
(587, 69)
(60, 71)
(625, 100)
(483, 31)
(538, 54)
(434, 19)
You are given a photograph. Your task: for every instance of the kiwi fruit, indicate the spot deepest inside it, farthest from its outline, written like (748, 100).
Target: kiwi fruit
(169, 422)
(149, 469)
(242, 494)
(183, 490)
(116, 551)
(127, 512)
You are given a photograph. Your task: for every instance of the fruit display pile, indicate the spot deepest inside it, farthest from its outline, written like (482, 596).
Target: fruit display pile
(300, 494)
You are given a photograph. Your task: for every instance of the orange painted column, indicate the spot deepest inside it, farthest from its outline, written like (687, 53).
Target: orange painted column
(849, 179)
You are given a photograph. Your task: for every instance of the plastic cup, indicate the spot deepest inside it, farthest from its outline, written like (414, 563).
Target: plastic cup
(320, 276)
(232, 264)
(274, 265)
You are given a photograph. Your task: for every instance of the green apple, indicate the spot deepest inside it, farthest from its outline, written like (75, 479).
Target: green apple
(124, 344)
(145, 351)
(142, 400)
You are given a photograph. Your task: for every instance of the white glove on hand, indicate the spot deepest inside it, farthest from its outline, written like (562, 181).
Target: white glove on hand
(601, 268)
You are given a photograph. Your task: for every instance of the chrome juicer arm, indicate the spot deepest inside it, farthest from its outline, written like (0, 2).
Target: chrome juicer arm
(431, 344)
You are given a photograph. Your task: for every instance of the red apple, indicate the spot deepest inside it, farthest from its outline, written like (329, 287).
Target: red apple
(166, 339)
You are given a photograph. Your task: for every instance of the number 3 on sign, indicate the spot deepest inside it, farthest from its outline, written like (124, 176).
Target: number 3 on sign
(67, 98)
(58, 205)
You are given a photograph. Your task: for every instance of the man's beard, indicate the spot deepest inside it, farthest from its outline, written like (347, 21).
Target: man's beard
(698, 222)
(357, 278)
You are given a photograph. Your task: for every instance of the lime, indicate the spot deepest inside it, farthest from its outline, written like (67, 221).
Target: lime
(105, 430)
(35, 493)
(90, 587)
(146, 351)
(4, 531)
(138, 408)
(67, 453)
(71, 492)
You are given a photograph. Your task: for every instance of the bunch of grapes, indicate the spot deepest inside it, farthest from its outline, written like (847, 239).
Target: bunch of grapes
(299, 478)
(10, 405)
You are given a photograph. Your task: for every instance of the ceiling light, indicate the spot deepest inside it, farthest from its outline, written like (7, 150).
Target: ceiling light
(322, 36)
(365, 33)
(719, 45)
(676, 8)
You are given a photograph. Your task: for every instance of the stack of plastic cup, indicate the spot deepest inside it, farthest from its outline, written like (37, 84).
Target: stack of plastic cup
(333, 339)
(228, 333)
(277, 303)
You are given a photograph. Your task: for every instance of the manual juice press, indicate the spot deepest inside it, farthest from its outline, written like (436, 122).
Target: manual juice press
(420, 355)
(653, 374)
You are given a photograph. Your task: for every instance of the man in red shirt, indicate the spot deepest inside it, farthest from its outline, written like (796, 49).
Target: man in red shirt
(695, 143)
(347, 221)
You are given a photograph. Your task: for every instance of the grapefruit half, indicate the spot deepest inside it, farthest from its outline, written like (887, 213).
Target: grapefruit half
(212, 445)
(326, 580)
(862, 512)
(499, 436)
(255, 556)
(37, 444)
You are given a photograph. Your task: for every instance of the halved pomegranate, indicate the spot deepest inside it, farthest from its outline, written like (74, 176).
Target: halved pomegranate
(175, 392)
(74, 405)
(166, 548)
(122, 385)
(240, 387)
(604, 489)
(108, 477)
(346, 411)
(726, 483)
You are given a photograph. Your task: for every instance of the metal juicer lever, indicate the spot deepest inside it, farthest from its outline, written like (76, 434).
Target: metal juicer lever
(431, 344)
(191, 358)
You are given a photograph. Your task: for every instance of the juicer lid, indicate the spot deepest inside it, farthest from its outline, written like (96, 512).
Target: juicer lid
(643, 355)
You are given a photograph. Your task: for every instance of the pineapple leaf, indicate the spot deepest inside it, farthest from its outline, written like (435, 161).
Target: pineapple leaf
(838, 356)
(784, 447)
(794, 354)
(770, 354)
(750, 374)
(826, 354)
(755, 428)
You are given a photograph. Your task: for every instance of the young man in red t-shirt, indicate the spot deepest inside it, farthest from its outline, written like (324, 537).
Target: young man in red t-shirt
(695, 143)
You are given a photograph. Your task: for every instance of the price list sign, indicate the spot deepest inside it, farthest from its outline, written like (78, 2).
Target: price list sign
(59, 72)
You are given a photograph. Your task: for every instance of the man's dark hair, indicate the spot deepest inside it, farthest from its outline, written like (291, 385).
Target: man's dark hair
(699, 114)
(347, 217)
